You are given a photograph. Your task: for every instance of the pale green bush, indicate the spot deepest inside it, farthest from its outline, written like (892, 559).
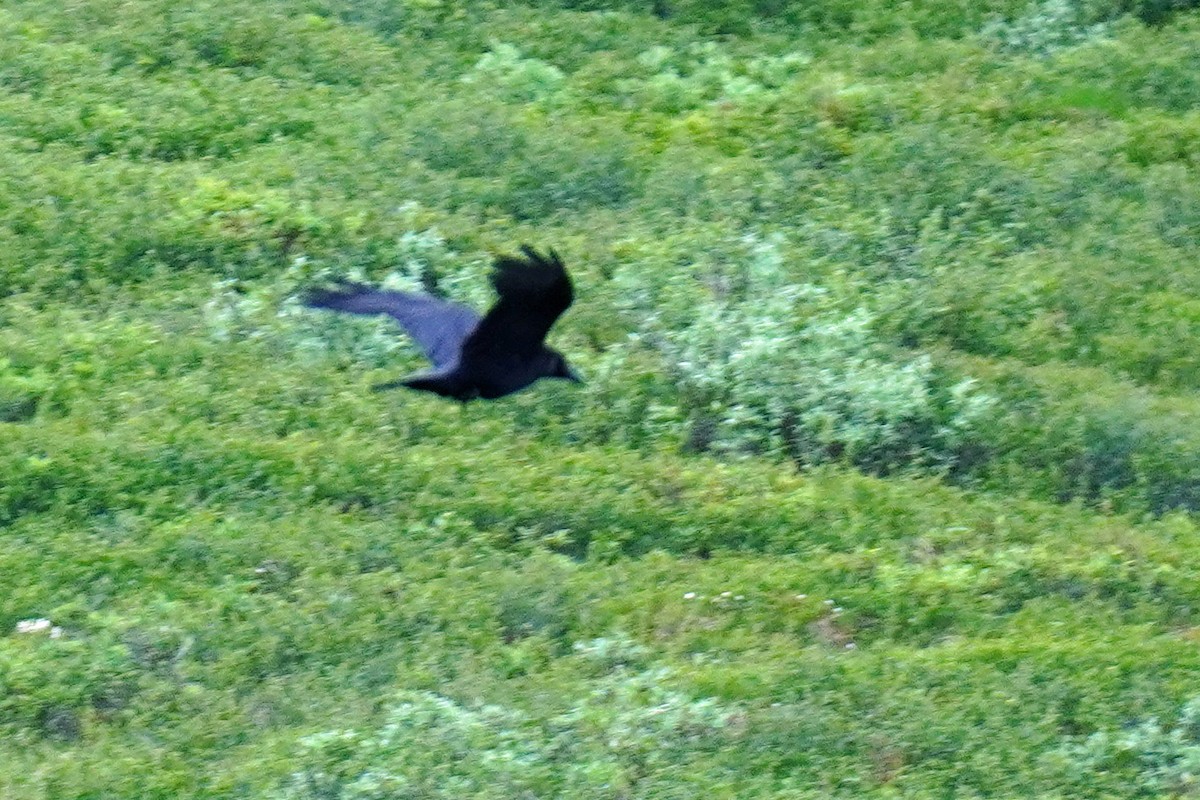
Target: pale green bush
(515, 78)
(613, 742)
(765, 365)
(1047, 26)
(1150, 759)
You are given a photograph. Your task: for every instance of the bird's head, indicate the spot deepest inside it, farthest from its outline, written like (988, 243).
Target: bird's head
(560, 369)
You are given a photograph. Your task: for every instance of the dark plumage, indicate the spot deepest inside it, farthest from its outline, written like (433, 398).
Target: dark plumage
(488, 357)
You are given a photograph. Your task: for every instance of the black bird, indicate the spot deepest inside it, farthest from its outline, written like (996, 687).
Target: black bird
(488, 357)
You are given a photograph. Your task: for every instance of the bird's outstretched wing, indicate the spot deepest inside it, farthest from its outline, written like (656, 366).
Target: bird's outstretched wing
(534, 292)
(438, 327)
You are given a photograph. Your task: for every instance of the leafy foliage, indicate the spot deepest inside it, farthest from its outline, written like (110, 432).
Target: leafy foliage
(763, 365)
(882, 483)
(629, 735)
(1146, 760)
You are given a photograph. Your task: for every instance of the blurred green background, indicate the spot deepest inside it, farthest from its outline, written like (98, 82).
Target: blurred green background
(882, 484)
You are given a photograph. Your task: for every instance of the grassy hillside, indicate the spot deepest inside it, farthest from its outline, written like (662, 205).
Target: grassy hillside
(882, 484)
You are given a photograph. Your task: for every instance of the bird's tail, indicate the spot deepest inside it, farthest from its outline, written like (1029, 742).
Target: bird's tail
(446, 385)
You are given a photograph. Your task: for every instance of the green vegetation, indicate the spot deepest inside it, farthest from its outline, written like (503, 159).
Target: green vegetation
(883, 482)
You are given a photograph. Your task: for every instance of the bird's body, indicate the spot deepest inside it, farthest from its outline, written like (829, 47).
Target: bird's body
(486, 357)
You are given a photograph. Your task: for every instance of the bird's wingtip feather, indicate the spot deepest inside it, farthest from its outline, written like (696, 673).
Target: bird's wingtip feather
(533, 258)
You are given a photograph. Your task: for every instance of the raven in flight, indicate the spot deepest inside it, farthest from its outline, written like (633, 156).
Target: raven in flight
(488, 357)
